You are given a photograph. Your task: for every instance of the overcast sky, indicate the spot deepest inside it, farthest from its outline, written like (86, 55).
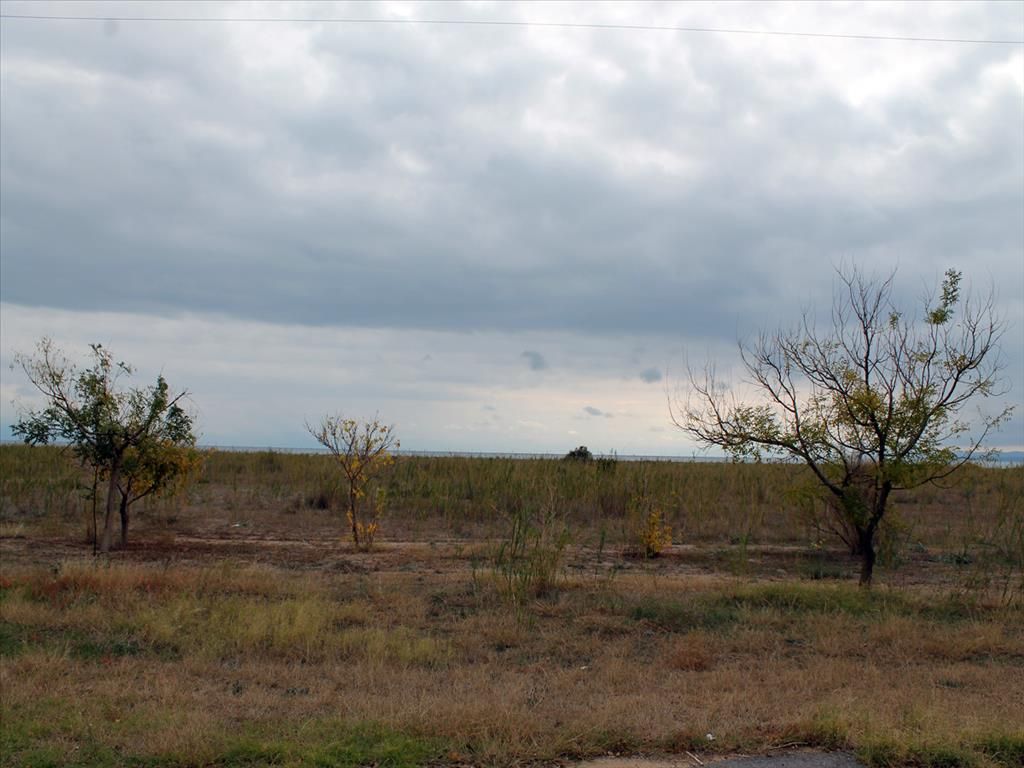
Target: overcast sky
(500, 238)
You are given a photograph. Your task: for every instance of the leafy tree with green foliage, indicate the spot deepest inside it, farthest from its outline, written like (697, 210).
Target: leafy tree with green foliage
(157, 467)
(871, 404)
(139, 440)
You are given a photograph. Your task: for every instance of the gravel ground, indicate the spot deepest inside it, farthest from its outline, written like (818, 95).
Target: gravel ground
(787, 760)
(794, 760)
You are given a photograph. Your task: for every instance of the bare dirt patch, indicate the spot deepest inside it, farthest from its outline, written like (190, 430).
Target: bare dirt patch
(803, 759)
(325, 548)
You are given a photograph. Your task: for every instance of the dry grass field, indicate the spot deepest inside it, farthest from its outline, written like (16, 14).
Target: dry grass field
(239, 628)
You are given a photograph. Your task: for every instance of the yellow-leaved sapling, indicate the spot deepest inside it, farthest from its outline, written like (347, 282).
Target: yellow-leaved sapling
(363, 450)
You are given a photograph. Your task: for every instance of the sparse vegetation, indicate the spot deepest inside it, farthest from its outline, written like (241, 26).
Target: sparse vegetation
(405, 666)
(139, 441)
(362, 450)
(529, 559)
(972, 528)
(234, 631)
(871, 405)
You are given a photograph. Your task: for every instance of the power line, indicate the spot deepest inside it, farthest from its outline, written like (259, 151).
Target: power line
(486, 23)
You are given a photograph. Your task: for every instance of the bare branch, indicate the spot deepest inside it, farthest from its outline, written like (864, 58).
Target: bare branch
(871, 404)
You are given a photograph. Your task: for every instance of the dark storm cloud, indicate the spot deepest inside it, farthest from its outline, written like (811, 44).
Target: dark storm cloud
(535, 360)
(454, 179)
(650, 375)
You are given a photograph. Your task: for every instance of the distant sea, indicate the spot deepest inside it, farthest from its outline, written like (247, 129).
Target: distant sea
(1011, 458)
(476, 454)
(1004, 457)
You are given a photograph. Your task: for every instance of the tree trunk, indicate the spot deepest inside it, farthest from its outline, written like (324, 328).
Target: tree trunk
(108, 518)
(867, 536)
(867, 557)
(352, 501)
(124, 520)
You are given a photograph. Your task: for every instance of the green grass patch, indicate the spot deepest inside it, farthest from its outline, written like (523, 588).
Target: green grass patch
(814, 598)
(96, 649)
(252, 755)
(12, 640)
(372, 745)
(721, 610)
(1004, 749)
(678, 616)
(88, 755)
(717, 611)
(850, 600)
(15, 639)
(322, 745)
(894, 755)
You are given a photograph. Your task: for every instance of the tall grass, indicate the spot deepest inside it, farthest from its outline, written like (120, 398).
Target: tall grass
(979, 515)
(40, 482)
(528, 561)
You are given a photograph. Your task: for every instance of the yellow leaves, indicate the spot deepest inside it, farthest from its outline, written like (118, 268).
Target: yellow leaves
(655, 534)
(363, 451)
(647, 526)
(367, 532)
(363, 534)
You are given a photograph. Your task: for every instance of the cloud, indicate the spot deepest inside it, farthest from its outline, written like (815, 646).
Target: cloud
(535, 360)
(593, 411)
(555, 189)
(351, 189)
(294, 374)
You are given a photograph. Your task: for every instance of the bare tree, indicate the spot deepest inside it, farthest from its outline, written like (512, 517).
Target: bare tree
(872, 405)
(362, 450)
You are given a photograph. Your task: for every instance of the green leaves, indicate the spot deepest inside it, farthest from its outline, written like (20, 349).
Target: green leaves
(870, 404)
(140, 438)
(950, 296)
(87, 409)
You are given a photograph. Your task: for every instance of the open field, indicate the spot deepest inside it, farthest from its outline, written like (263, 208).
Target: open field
(238, 628)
